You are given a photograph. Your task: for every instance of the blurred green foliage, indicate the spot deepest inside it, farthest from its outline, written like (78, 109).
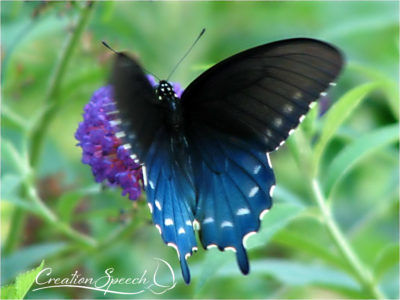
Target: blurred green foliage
(333, 230)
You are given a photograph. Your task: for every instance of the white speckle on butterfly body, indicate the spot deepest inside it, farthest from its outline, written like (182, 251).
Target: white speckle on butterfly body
(159, 98)
(181, 230)
(208, 220)
(230, 248)
(169, 222)
(133, 156)
(211, 246)
(126, 146)
(158, 205)
(144, 171)
(271, 190)
(226, 224)
(254, 190)
(257, 169)
(175, 247)
(242, 211)
(263, 213)
(246, 237)
(150, 207)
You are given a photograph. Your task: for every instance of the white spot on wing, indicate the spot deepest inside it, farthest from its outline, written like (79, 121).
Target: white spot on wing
(151, 184)
(208, 220)
(119, 134)
(297, 95)
(158, 205)
(230, 249)
(126, 146)
(115, 122)
(323, 94)
(278, 122)
(168, 222)
(269, 161)
(211, 246)
(246, 237)
(144, 171)
(263, 213)
(226, 224)
(150, 207)
(189, 223)
(158, 228)
(332, 83)
(271, 190)
(175, 247)
(253, 191)
(291, 131)
(181, 230)
(301, 119)
(288, 108)
(242, 211)
(257, 169)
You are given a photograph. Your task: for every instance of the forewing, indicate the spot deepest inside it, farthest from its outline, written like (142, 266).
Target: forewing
(262, 93)
(140, 115)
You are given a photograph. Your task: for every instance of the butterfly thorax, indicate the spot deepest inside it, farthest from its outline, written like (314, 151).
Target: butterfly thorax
(168, 97)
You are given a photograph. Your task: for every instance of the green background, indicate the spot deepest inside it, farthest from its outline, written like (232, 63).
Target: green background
(50, 200)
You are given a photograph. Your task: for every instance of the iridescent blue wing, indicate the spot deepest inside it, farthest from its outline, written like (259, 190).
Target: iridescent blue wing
(237, 111)
(170, 194)
(234, 183)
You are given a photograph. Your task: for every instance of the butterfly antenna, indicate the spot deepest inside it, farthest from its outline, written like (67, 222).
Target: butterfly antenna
(116, 52)
(108, 47)
(186, 54)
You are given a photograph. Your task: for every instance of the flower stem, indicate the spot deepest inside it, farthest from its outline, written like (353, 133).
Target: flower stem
(360, 271)
(52, 101)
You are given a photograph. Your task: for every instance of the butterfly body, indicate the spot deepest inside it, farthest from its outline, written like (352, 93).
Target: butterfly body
(205, 154)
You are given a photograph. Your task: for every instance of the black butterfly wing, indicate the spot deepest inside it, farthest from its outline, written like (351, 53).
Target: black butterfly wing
(236, 111)
(166, 166)
(264, 91)
(142, 116)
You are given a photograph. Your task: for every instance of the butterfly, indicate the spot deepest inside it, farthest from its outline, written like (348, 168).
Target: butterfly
(205, 155)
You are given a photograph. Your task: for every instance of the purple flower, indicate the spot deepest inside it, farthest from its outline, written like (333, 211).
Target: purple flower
(102, 150)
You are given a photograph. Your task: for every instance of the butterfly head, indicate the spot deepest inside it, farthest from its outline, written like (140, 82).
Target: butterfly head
(165, 91)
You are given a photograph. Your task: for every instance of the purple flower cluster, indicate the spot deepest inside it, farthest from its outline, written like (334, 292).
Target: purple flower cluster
(103, 150)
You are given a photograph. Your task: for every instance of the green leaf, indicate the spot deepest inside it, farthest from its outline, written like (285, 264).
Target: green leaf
(277, 218)
(337, 114)
(22, 284)
(25, 258)
(295, 274)
(356, 151)
(311, 246)
(387, 258)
